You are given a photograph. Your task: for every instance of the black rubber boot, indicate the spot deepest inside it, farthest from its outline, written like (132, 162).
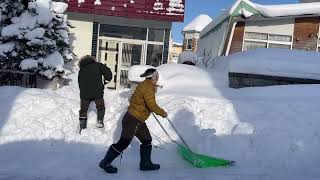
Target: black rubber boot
(145, 163)
(100, 124)
(105, 163)
(82, 123)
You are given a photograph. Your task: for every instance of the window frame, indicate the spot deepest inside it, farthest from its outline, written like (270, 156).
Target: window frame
(268, 41)
(187, 44)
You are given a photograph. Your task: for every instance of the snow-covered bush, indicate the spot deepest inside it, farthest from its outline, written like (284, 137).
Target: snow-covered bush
(187, 57)
(207, 60)
(35, 38)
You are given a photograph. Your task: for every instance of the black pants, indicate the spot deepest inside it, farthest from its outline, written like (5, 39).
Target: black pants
(84, 105)
(131, 127)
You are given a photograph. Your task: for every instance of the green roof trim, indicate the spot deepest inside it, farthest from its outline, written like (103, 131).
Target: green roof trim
(234, 13)
(245, 6)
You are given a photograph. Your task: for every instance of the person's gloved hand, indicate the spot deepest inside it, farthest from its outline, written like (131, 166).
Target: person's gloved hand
(165, 115)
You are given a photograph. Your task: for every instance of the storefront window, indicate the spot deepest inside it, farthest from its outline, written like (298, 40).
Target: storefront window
(131, 55)
(156, 35)
(122, 32)
(154, 54)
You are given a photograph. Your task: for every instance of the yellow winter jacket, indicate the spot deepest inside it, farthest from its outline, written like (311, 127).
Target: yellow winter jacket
(143, 102)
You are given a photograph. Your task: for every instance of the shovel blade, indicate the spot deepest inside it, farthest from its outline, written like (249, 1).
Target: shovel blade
(201, 161)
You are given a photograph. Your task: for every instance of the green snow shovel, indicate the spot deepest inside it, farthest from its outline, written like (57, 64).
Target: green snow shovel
(197, 160)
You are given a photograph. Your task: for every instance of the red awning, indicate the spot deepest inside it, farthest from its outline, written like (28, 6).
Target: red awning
(163, 10)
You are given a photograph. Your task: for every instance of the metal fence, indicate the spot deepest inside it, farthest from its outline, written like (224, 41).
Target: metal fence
(18, 78)
(29, 80)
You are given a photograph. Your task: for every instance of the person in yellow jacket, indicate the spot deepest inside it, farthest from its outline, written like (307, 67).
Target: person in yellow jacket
(142, 103)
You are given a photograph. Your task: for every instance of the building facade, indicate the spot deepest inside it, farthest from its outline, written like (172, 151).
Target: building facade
(191, 32)
(124, 33)
(174, 52)
(248, 26)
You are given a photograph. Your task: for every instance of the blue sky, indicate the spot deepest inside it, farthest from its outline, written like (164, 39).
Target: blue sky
(212, 8)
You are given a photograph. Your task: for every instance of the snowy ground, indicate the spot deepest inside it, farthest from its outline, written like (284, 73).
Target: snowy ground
(271, 132)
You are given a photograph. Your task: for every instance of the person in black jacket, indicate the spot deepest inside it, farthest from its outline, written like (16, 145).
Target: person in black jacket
(91, 87)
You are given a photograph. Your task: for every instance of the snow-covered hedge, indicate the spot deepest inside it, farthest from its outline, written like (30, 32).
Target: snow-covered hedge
(187, 56)
(34, 36)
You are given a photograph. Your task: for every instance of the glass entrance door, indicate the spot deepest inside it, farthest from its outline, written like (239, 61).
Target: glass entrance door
(131, 55)
(108, 53)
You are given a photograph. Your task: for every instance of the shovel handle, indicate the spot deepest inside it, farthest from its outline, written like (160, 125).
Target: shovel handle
(183, 141)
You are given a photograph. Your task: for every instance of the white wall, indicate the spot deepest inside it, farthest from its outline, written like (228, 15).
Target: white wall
(81, 37)
(275, 26)
(213, 43)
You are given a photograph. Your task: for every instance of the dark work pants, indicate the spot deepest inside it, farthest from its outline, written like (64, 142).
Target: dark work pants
(131, 127)
(84, 105)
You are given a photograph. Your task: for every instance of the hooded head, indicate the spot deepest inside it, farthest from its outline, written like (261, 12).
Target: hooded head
(85, 60)
(152, 74)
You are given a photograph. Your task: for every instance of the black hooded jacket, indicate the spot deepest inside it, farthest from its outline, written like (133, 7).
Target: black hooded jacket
(90, 78)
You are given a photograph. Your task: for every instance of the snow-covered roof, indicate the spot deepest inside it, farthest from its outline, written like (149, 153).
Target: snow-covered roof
(198, 23)
(288, 9)
(247, 8)
(214, 23)
(177, 44)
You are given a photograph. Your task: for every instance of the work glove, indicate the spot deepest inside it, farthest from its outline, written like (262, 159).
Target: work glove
(165, 115)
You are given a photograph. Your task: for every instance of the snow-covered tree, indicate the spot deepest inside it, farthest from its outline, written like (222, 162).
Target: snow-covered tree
(37, 39)
(9, 9)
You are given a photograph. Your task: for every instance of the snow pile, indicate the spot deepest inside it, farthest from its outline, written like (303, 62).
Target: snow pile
(158, 6)
(5, 48)
(135, 72)
(97, 2)
(59, 7)
(54, 60)
(271, 132)
(277, 62)
(80, 2)
(28, 64)
(176, 7)
(179, 77)
(198, 23)
(35, 35)
(187, 56)
(23, 24)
